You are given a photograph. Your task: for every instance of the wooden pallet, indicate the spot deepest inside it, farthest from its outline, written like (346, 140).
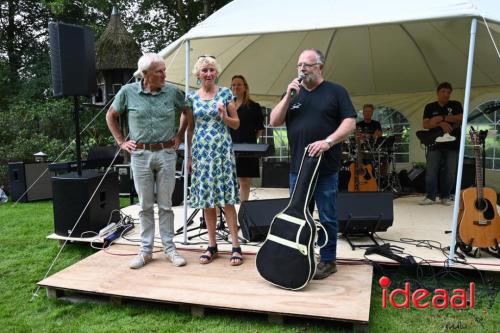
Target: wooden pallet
(345, 296)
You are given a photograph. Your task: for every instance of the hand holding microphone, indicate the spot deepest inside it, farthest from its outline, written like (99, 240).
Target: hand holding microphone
(294, 86)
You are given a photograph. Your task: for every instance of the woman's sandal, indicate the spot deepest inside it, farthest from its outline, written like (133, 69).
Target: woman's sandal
(236, 260)
(208, 258)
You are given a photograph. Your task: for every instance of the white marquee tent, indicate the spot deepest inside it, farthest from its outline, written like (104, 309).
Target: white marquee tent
(387, 52)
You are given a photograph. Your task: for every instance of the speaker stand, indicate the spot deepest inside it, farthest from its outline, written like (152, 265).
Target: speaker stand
(349, 232)
(77, 136)
(220, 230)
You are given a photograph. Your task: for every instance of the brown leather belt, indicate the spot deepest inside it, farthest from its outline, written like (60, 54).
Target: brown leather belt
(155, 146)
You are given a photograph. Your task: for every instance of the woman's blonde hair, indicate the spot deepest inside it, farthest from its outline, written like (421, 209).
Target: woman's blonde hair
(204, 61)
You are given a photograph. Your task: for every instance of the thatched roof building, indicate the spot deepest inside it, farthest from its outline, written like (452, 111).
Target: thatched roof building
(116, 49)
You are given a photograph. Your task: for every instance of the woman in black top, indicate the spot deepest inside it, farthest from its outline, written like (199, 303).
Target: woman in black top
(251, 126)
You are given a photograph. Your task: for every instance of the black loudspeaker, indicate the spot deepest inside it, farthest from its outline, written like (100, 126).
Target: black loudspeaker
(275, 174)
(363, 209)
(255, 217)
(72, 193)
(72, 58)
(23, 175)
(178, 194)
(468, 173)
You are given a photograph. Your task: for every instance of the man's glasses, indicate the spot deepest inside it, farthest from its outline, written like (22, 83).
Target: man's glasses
(206, 56)
(307, 66)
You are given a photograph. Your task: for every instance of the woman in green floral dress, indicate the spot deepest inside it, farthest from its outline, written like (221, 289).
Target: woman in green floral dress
(213, 179)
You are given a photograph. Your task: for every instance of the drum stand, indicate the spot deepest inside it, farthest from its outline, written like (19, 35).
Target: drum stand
(393, 184)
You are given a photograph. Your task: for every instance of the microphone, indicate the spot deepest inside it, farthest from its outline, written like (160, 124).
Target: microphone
(301, 77)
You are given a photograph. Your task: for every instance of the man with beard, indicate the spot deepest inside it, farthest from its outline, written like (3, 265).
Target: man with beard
(320, 114)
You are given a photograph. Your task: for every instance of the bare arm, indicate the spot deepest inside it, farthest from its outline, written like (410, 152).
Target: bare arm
(229, 115)
(258, 134)
(278, 114)
(345, 128)
(114, 127)
(437, 121)
(183, 124)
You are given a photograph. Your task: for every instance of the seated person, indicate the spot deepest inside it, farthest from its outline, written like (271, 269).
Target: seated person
(368, 128)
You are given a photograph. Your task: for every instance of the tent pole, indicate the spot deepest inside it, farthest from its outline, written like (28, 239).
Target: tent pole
(186, 162)
(458, 186)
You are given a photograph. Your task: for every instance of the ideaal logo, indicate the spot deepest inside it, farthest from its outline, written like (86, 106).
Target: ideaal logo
(422, 298)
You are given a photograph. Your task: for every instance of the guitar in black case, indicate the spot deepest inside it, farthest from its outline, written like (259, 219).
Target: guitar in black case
(286, 258)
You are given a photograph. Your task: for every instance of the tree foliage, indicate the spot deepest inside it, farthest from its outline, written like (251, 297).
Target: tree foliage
(30, 118)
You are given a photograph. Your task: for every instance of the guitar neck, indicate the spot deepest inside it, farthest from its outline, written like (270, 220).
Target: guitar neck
(479, 171)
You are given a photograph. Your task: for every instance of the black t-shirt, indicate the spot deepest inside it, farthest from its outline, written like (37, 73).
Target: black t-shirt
(251, 121)
(452, 107)
(314, 115)
(368, 128)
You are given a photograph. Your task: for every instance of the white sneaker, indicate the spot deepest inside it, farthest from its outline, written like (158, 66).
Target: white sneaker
(176, 258)
(141, 260)
(446, 201)
(427, 202)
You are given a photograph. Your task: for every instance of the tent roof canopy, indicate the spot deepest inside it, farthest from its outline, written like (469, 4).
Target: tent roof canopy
(371, 47)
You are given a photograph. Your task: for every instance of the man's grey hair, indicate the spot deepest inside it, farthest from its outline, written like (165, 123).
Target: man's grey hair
(147, 60)
(320, 57)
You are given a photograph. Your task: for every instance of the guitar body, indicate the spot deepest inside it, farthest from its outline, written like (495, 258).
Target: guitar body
(361, 179)
(479, 221)
(286, 258)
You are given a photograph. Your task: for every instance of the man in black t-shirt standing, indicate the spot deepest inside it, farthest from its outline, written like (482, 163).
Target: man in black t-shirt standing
(320, 114)
(368, 128)
(442, 158)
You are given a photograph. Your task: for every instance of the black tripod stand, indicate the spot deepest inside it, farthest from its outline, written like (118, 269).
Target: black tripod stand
(221, 231)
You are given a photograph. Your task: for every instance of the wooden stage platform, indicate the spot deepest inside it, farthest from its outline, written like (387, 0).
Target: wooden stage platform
(422, 225)
(344, 296)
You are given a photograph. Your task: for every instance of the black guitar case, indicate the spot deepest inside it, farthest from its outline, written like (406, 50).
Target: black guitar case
(286, 258)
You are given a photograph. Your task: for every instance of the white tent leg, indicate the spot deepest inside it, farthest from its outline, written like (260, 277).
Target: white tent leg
(468, 80)
(186, 163)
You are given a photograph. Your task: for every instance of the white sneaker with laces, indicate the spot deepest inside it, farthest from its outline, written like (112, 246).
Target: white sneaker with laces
(176, 258)
(427, 202)
(141, 260)
(446, 201)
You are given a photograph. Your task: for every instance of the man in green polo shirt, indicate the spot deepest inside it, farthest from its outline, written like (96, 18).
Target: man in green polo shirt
(150, 105)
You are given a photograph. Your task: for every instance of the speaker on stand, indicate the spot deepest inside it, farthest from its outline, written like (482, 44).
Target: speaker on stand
(73, 66)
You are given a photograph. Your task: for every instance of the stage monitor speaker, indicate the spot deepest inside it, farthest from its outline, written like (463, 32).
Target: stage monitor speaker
(275, 174)
(71, 194)
(23, 175)
(72, 58)
(363, 209)
(255, 217)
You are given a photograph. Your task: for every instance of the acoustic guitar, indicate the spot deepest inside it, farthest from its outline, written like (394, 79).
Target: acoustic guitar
(286, 258)
(361, 179)
(479, 223)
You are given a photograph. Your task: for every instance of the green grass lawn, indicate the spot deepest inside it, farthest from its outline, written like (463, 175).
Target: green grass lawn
(26, 255)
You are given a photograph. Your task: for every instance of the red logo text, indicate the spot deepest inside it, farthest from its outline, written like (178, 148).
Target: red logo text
(422, 298)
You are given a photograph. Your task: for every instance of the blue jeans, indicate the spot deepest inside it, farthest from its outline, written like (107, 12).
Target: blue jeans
(443, 164)
(325, 195)
(155, 170)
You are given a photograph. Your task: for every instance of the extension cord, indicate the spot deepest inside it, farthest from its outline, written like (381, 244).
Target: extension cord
(121, 230)
(107, 229)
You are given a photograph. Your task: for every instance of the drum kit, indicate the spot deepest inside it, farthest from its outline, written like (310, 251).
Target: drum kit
(377, 152)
